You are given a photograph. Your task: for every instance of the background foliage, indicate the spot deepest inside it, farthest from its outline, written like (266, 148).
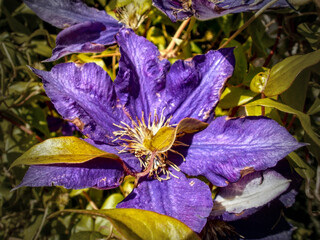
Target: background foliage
(278, 47)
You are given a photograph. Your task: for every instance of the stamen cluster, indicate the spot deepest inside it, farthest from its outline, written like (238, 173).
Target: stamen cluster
(136, 139)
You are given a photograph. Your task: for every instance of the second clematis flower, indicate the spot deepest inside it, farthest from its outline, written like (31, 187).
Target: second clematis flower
(86, 29)
(159, 119)
(208, 9)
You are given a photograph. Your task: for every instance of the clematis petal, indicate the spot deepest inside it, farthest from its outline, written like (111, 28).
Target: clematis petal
(98, 173)
(244, 203)
(229, 148)
(206, 9)
(84, 95)
(194, 87)
(248, 195)
(141, 73)
(175, 198)
(84, 37)
(190, 88)
(131, 160)
(65, 13)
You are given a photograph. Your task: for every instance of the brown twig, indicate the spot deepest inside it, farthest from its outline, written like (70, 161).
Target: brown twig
(291, 122)
(93, 205)
(234, 111)
(171, 45)
(285, 118)
(275, 45)
(106, 55)
(22, 127)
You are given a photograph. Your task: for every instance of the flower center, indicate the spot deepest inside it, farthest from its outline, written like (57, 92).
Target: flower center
(137, 139)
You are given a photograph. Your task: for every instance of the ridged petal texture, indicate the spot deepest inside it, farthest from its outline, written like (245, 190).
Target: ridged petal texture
(98, 173)
(229, 148)
(189, 88)
(85, 95)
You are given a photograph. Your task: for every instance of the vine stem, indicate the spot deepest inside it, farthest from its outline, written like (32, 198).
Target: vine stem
(22, 127)
(176, 36)
(247, 23)
(93, 205)
(42, 223)
(117, 54)
(274, 48)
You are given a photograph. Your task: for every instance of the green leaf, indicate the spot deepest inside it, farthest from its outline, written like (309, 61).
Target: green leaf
(235, 96)
(141, 224)
(240, 69)
(61, 150)
(37, 119)
(41, 47)
(311, 32)
(112, 201)
(14, 24)
(102, 224)
(20, 87)
(285, 72)
(269, 112)
(295, 96)
(313, 148)
(302, 168)
(304, 118)
(315, 108)
(261, 40)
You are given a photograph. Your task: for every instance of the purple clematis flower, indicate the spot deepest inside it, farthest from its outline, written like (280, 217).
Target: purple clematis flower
(208, 9)
(150, 96)
(86, 29)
